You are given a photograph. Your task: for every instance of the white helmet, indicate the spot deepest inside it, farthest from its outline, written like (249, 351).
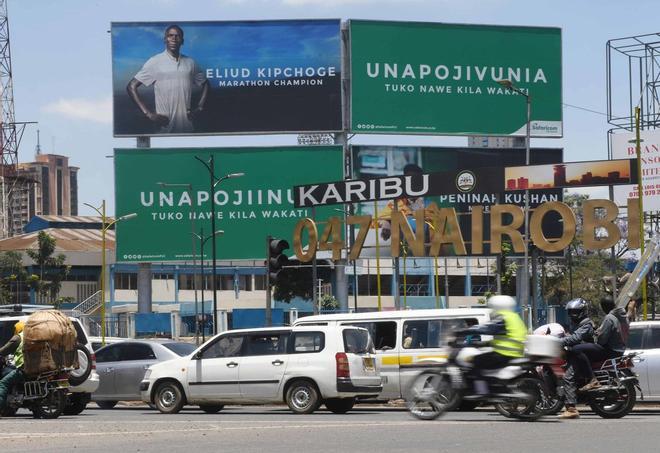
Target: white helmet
(502, 302)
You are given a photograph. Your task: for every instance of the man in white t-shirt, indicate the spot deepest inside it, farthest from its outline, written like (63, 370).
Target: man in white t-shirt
(173, 75)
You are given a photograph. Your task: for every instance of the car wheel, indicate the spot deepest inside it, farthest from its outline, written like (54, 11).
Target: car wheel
(80, 374)
(302, 397)
(77, 402)
(169, 398)
(339, 405)
(106, 404)
(211, 409)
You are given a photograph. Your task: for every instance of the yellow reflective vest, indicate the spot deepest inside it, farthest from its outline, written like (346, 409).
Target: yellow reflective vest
(511, 344)
(18, 354)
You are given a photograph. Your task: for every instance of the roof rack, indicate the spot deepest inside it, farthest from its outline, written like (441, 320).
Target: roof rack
(22, 309)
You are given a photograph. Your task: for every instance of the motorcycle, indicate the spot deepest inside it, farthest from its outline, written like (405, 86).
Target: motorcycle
(615, 397)
(514, 389)
(44, 394)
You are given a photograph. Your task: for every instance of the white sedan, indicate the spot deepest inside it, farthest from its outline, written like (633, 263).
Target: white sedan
(645, 339)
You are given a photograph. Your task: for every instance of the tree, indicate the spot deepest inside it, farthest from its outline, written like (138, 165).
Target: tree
(587, 268)
(13, 277)
(329, 303)
(52, 270)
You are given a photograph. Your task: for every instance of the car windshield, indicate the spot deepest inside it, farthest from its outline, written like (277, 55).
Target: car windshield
(180, 348)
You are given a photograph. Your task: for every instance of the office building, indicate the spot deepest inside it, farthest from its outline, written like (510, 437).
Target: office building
(48, 186)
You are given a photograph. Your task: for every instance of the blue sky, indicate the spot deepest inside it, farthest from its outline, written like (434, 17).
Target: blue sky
(62, 66)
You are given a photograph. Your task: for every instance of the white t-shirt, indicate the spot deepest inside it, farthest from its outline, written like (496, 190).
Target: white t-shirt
(173, 81)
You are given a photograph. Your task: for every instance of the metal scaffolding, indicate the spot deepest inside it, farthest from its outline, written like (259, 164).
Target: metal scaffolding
(633, 62)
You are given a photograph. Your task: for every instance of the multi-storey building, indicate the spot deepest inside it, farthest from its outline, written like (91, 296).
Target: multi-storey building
(48, 186)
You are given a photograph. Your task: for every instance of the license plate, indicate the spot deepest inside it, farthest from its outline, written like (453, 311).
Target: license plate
(368, 363)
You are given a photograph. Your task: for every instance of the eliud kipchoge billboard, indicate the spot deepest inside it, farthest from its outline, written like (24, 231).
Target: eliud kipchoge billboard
(190, 78)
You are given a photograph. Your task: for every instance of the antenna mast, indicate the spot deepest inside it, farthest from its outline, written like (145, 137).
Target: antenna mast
(10, 131)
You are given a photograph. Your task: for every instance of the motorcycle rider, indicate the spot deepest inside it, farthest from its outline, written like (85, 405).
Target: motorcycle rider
(509, 333)
(582, 332)
(14, 371)
(611, 339)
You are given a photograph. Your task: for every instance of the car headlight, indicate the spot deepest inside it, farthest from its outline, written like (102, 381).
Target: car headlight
(147, 374)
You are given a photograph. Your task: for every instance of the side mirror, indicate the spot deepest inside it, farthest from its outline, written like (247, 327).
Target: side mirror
(197, 355)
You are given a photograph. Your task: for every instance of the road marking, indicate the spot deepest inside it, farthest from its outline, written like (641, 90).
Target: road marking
(257, 426)
(22, 435)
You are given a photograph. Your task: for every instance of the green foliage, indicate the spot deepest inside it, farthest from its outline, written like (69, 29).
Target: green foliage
(12, 275)
(63, 300)
(52, 270)
(329, 302)
(587, 273)
(584, 268)
(508, 273)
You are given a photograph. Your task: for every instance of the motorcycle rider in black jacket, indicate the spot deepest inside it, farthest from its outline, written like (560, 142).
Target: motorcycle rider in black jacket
(582, 332)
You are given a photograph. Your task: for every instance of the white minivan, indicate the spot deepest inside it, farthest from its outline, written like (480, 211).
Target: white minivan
(302, 366)
(404, 338)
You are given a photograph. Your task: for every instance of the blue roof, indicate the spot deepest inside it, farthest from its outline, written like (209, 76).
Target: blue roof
(42, 222)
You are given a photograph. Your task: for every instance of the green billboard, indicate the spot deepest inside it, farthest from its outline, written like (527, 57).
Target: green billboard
(430, 78)
(153, 183)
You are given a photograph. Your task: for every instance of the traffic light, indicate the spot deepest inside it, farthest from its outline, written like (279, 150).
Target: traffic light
(276, 259)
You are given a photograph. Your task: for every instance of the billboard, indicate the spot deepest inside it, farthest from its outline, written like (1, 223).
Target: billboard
(190, 78)
(472, 177)
(573, 174)
(431, 78)
(247, 208)
(623, 147)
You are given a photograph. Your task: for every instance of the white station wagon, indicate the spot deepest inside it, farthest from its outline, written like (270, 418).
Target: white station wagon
(302, 366)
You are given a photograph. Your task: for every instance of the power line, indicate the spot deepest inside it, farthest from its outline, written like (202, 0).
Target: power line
(583, 108)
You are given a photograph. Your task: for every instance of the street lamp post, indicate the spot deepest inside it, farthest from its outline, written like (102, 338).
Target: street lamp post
(202, 241)
(188, 187)
(104, 228)
(524, 287)
(210, 166)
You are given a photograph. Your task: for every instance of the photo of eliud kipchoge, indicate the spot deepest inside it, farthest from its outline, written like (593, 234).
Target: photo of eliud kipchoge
(169, 92)
(226, 77)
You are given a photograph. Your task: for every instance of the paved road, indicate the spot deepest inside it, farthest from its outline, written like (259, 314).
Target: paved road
(367, 429)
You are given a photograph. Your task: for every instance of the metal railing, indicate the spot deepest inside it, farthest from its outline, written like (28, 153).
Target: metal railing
(414, 289)
(87, 306)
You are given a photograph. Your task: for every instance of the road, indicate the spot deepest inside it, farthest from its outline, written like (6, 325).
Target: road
(366, 429)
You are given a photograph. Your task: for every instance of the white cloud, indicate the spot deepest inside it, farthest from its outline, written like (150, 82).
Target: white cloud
(97, 111)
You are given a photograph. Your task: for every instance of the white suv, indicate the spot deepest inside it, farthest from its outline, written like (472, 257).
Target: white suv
(84, 379)
(303, 366)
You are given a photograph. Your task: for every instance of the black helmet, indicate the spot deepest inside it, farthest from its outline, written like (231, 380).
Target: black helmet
(607, 303)
(577, 309)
